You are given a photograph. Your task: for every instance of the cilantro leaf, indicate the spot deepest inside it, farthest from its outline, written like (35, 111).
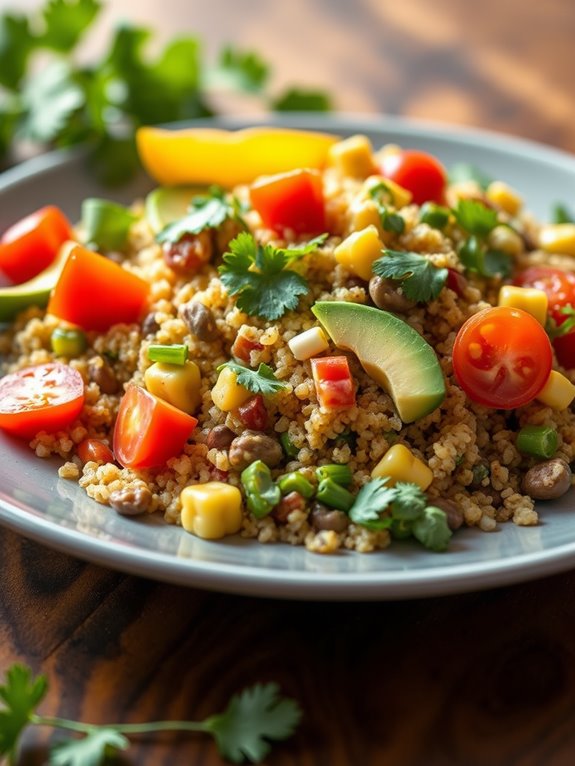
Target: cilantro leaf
(16, 44)
(463, 171)
(208, 211)
(420, 279)
(381, 194)
(301, 100)
(370, 502)
(253, 717)
(409, 501)
(245, 70)
(561, 214)
(432, 530)
(257, 274)
(260, 381)
(66, 22)
(50, 98)
(21, 695)
(91, 750)
(474, 217)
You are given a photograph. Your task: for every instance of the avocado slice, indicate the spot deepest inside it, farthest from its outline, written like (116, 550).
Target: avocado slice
(390, 351)
(34, 292)
(167, 204)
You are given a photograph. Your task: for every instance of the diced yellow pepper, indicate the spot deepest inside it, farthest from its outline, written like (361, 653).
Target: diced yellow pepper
(358, 252)
(364, 213)
(558, 238)
(504, 197)
(227, 394)
(505, 239)
(400, 197)
(226, 157)
(177, 384)
(211, 510)
(400, 464)
(528, 299)
(353, 157)
(558, 392)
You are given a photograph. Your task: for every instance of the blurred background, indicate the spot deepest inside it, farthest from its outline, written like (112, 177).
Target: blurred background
(504, 66)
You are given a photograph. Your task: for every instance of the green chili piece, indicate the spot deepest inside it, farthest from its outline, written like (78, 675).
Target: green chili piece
(176, 353)
(434, 215)
(68, 342)
(341, 474)
(261, 492)
(106, 224)
(334, 495)
(539, 441)
(296, 482)
(288, 446)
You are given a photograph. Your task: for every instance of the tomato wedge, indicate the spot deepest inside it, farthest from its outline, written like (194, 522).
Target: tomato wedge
(148, 430)
(44, 398)
(30, 245)
(502, 357)
(290, 201)
(333, 382)
(418, 172)
(96, 293)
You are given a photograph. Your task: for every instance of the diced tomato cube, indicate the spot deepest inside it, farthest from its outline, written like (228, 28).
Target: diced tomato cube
(290, 201)
(333, 382)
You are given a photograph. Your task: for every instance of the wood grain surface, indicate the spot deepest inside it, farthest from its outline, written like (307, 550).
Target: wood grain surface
(484, 679)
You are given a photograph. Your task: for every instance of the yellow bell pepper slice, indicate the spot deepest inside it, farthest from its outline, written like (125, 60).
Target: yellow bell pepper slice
(227, 158)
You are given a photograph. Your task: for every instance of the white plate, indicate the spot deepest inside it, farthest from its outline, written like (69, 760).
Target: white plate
(53, 511)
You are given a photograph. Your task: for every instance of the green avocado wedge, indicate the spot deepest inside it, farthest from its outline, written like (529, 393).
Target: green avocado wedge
(34, 292)
(167, 204)
(390, 351)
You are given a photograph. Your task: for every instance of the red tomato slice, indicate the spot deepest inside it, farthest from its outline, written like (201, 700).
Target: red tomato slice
(502, 357)
(148, 430)
(95, 293)
(418, 172)
(44, 398)
(29, 246)
(333, 382)
(290, 201)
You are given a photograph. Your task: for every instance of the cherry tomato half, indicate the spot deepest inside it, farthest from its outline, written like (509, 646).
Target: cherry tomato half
(290, 201)
(418, 172)
(43, 398)
(95, 293)
(502, 357)
(29, 246)
(559, 286)
(148, 430)
(333, 382)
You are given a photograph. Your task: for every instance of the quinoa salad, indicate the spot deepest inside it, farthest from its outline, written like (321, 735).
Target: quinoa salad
(342, 348)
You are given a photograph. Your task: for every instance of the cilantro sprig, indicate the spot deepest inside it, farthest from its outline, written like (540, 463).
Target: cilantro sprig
(207, 211)
(260, 381)
(100, 103)
(421, 281)
(478, 221)
(243, 732)
(403, 509)
(260, 277)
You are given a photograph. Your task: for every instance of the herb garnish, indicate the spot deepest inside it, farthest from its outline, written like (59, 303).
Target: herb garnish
(242, 732)
(381, 195)
(207, 211)
(561, 214)
(479, 221)
(420, 279)
(260, 381)
(555, 330)
(261, 278)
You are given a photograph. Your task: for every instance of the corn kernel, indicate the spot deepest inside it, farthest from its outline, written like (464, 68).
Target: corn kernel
(227, 394)
(399, 197)
(177, 384)
(558, 238)
(358, 252)
(353, 157)
(558, 392)
(211, 510)
(400, 464)
(504, 197)
(528, 299)
(505, 239)
(309, 343)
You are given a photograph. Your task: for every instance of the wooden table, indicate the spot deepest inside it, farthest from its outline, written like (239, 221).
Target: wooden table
(485, 679)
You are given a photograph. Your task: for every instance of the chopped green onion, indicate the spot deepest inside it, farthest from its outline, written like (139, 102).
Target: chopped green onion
(296, 482)
(68, 342)
(341, 474)
(261, 492)
(288, 446)
(539, 441)
(176, 353)
(434, 215)
(106, 224)
(334, 495)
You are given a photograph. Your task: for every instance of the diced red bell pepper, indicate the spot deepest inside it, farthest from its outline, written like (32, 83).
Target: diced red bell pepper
(333, 382)
(290, 201)
(243, 347)
(253, 413)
